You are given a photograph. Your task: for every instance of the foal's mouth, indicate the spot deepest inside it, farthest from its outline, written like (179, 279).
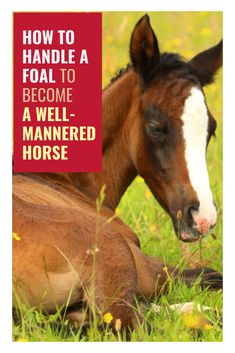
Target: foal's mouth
(189, 228)
(189, 234)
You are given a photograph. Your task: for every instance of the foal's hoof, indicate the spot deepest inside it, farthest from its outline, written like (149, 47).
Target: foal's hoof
(209, 278)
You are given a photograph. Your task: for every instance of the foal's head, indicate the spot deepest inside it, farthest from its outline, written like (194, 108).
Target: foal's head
(174, 129)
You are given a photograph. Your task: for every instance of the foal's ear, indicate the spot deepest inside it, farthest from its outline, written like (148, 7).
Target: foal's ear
(207, 63)
(144, 50)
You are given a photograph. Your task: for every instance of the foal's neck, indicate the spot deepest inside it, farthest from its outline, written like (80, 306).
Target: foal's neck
(118, 170)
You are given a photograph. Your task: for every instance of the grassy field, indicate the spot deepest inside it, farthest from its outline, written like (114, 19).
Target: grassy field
(186, 33)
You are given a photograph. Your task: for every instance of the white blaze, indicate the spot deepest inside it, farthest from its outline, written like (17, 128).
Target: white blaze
(195, 130)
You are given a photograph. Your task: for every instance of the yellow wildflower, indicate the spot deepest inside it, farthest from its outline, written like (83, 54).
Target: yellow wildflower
(118, 211)
(190, 29)
(176, 42)
(196, 321)
(206, 32)
(15, 236)
(187, 53)
(152, 228)
(109, 39)
(107, 318)
(148, 194)
(22, 340)
(203, 14)
(208, 246)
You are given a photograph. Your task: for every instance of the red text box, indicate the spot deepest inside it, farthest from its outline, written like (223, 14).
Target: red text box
(57, 92)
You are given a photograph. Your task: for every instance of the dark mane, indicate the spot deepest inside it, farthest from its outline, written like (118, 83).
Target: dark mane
(168, 62)
(171, 61)
(120, 73)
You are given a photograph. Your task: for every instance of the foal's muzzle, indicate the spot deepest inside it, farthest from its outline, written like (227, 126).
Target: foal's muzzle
(192, 225)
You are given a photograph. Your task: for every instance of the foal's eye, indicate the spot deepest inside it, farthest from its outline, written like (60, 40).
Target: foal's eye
(155, 129)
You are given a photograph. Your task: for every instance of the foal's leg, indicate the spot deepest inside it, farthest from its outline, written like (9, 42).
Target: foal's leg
(209, 277)
(153, 275)
(111, 288)
(116, 283)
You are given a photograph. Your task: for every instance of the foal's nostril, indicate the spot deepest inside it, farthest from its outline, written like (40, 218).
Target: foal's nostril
(189, 212)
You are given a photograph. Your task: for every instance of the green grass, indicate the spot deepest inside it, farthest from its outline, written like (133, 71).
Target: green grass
(186, 33)
(165, 326)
